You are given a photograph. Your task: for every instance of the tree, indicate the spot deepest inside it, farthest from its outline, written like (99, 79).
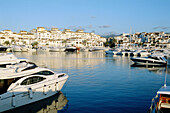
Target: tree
(13, 41)
(24, 42)
(113, 43)
(6, 43)
(64, 41)
(107, 43)
(34, 44)
(84, 42)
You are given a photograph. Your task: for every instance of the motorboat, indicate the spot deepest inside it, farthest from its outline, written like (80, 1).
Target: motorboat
(27, 83)
(150, 60)
(9, 58)
(161, 102)
(3, 48)
(71, 49)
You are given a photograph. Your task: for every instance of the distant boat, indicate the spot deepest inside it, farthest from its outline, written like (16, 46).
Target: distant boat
(150, 60)
(71, 49)
(3, 48)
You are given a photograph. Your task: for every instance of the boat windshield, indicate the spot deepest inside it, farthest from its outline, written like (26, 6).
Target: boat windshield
(155, 58)
(5, 83)
(44, 73)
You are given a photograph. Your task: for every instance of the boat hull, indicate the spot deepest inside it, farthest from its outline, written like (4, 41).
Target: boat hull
(11, 100)
(3, 49)
(70, 50)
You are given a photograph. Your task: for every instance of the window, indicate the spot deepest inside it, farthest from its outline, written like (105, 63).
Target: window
(5, 83)
(44, 73)
(32, 80)
(61, 75)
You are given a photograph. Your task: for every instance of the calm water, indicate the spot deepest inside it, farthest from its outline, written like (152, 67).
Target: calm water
(100, 84)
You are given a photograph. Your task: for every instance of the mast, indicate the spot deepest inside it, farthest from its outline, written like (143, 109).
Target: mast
(165, 76)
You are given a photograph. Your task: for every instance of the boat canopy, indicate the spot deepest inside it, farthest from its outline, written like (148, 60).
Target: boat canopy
(164, 90)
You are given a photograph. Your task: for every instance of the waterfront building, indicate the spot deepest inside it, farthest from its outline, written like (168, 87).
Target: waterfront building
(79, 38)
(52, 38)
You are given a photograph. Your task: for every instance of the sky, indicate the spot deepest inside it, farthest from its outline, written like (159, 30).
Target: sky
(99, 16)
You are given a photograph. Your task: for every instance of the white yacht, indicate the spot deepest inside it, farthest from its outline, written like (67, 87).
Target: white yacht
(150, 60)
(9, 58)
(26, 83)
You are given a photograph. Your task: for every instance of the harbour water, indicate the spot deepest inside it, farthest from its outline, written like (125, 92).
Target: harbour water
(99, 83)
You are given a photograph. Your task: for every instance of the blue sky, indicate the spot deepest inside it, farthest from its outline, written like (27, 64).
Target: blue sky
(100, 16)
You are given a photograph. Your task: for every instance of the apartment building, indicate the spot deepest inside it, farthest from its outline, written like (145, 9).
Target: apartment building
(53, 37)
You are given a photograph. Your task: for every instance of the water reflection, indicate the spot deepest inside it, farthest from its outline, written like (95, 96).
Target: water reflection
(49, 105)
(65, 60)
(155, 69)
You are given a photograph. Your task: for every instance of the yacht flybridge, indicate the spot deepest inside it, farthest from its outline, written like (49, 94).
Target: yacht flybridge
(150, 60)
(9, 58)
(25, 83)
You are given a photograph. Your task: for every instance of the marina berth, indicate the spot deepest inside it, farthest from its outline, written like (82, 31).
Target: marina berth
(26, 83)
(150, 60)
